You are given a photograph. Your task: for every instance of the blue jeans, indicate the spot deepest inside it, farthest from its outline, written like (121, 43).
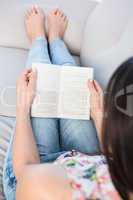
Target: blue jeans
(53, 136)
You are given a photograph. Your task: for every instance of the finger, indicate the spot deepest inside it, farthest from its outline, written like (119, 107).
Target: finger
(23, 77)
(98, 87)
(27, 15)
(26, 71)
(21, 81)
(26, 75)
(31, 71)
(29, 75)
(91, 86)
(32, 80)
(101, 95)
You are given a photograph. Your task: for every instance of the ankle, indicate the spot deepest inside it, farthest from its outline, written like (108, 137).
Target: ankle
(38, 36)
(52, 37)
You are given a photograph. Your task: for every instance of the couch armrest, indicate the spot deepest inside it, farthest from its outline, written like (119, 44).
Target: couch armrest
(108, 38)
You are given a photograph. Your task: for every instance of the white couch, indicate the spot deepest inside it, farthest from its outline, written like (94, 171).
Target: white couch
(101, 39)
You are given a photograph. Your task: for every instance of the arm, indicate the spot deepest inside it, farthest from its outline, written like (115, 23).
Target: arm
(97, 109)
(24, 147)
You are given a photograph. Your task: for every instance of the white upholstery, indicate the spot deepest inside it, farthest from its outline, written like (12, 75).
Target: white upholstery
(6, 128)
(12, 62)
(12, 31)
(108, 38)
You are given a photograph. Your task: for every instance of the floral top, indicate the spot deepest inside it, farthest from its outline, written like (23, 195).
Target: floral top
(89, 176)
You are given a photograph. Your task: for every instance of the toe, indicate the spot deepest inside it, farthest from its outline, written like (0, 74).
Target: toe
(30, 12)
(27, 15)
(66, 22)
(38, 9)
(62, 15)
(58, 13)
(65, 18)
(35, 9)
(55, 11)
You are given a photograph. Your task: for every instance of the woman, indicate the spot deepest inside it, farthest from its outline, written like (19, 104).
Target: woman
(73, 175)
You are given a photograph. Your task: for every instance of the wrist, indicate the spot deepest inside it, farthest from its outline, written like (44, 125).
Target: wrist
(98, 124)
(97, 117)
(22, 117)
(98, 121)
(23, 111)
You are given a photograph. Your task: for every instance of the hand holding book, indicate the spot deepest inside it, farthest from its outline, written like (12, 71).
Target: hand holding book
(62, 92)
(96, 105)
(26, 89)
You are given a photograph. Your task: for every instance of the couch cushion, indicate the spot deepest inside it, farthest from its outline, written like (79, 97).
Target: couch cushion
(6, 128)
(12, 63)
(108, 38)
(12, 32)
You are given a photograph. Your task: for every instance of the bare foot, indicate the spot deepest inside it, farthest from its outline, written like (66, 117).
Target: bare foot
(34, 22)
(57, 24)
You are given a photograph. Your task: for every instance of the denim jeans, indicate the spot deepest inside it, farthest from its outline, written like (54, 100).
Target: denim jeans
(53, 136)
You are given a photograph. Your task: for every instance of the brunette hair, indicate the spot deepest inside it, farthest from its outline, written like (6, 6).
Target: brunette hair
(118, 129)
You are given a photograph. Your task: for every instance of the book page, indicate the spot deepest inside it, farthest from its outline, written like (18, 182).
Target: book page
(46, 101)
(74, 93)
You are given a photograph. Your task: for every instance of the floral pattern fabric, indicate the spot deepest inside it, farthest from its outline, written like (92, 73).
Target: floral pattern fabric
(89, 176)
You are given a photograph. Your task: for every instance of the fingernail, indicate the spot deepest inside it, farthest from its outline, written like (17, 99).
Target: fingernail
(90, 81)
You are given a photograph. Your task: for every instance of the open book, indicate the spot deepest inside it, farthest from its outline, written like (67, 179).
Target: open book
(62, 92)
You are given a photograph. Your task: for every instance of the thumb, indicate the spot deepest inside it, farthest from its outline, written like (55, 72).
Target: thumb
(33, 78)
